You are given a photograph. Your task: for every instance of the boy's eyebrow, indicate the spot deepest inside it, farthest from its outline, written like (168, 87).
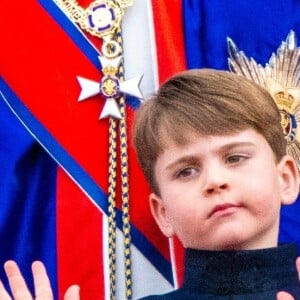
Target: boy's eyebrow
(193, 158)
(188, 159)
(234, 145)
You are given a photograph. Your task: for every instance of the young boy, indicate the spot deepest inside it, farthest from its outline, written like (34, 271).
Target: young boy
(213, 151)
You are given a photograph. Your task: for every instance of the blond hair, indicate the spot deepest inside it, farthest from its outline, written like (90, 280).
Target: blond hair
(207, 102)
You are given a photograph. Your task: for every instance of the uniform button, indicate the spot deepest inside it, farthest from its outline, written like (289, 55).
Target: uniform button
(223, 290)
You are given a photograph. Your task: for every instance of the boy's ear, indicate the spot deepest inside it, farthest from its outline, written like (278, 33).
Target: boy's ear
(160, 215)
(289, 180)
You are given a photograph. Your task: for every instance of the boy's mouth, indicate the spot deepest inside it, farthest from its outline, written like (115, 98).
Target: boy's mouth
(224, 209)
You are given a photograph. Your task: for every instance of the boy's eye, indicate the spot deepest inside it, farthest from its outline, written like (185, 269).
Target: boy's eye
(233, 159)
(186, 172)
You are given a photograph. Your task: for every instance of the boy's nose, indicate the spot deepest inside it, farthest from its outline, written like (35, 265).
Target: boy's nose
(215, 182)
(216, 188)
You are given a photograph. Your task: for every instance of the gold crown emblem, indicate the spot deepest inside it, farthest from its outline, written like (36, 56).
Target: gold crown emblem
(109, 70)
(284, 100)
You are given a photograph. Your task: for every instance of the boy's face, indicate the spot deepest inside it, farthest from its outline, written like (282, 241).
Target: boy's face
(223, 192)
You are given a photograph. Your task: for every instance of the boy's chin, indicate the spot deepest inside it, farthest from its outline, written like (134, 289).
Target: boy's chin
(233, 236)
(231, 247)
(238, 245)
(232, 243)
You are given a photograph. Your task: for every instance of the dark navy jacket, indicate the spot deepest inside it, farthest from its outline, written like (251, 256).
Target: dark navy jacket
(237, 275)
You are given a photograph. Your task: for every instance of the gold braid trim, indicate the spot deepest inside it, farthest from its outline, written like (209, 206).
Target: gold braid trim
(112, 227)
(124, 181)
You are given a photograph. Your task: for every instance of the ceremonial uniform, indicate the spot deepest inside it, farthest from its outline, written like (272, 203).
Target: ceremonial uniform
(248, 274)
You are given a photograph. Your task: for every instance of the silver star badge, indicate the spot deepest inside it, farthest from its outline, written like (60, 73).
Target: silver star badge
(281, 77)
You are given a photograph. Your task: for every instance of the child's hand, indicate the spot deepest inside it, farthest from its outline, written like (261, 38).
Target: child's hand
(42, 285)
(285, 295)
